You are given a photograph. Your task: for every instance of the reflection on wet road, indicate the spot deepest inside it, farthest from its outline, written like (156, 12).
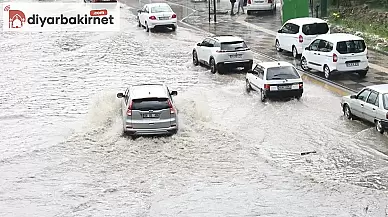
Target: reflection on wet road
(63, 153)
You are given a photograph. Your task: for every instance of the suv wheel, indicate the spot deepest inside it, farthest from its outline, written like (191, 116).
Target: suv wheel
(138, 22)
(362, 74)
(294, 52)
(147, 28)
(277, 46)
(327, 72)
(213, 67)
(379, 127)
(195, 58)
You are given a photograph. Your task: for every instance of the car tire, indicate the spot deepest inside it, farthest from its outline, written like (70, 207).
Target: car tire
(379, 127)
(294, 52)
(248, 67)
(303, 64)
(174, 28)
(213, 67)
(362, 74)
(138, 23)
(249, 12)
(298, 97)
(248, 86)
(195, 58)
(262, 95)
(146, 26)
(347, 113)
(277, 46)
(327, 71)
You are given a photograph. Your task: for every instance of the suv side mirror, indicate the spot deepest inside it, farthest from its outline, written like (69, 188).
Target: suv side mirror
(307, 48)
(280, 31)
(120, 95)
(174, 93)
(199, 44)
(139, 11)
(353, 96)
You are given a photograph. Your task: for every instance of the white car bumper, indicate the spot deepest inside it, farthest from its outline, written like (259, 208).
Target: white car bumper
(260, 7)
(154, 23)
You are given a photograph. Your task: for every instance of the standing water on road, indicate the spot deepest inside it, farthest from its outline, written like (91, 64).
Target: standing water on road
(62, 153)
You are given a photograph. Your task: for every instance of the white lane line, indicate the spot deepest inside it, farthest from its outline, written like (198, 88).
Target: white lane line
(241, 20)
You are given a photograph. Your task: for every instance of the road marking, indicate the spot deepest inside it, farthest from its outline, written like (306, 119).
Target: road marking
(241, 20)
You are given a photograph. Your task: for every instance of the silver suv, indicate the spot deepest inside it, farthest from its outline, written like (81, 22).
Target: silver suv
(148, 109)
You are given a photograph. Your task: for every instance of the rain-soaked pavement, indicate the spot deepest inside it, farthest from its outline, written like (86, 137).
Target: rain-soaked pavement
(62, 153)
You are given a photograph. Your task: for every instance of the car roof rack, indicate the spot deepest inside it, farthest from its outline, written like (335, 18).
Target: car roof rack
(221, 35)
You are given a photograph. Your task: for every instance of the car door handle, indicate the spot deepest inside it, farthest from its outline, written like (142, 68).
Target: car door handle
(319, 54)
(373, 109)
(362, 105)
(315, 53)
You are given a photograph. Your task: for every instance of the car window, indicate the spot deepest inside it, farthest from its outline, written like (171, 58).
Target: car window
(234, 45)
(314, 45)
(282, 72)
(290, 28)
(150, 104)
(385, 101)
(315, 29)
(205, 42)
(351, 46)
(260, 71)
(211, 43)
(160, 8)
(146, 9)
(325, 46)
(372, 98)
(363, 95)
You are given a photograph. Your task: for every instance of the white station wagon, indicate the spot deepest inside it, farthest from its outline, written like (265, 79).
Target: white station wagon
(370, 104)
(335, 53)
(297, 33)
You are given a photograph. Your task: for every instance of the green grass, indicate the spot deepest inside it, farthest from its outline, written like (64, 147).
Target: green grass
(362, 26)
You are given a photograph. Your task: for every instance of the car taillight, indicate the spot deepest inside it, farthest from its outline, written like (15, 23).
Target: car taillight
(249, 1)
(300, 85)
(300, 38)
(269, 1)
(266, 86)
(335, 58)
(129, 111)
(172, 109)
(386, 115)
(221, 51)
(173, 16)
(152, 18)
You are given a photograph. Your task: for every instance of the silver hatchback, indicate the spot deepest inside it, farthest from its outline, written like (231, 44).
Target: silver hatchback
(148, 109)
(370, 104)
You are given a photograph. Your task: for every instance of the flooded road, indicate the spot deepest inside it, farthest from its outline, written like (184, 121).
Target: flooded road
(62, 152)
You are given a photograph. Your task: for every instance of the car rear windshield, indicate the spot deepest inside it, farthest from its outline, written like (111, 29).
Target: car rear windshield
(282, 72)
(351, 46)
(232, 46)
(315, 29)
(150, 104)
(385, 101)
(159, 9)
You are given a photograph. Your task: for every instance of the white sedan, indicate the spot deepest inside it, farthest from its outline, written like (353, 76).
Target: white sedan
(157, 15)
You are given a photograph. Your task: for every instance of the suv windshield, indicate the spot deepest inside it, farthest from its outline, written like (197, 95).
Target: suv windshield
(150, 104)
(232, 46)
(385, 101)
(162, 8)
(351, 46)
(282, 72)
(315, 29)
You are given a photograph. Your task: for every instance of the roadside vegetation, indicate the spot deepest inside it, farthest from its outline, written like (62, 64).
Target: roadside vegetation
(366, 18)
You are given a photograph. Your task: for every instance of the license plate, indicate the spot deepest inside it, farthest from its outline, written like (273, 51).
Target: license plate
(236, 56)
(352, 64)
(164, 18)
(287, 87)
(150, 115)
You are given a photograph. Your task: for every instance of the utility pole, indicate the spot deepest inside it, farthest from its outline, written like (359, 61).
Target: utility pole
(215, 11)
(209, 9)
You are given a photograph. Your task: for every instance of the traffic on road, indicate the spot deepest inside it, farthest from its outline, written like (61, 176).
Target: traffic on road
(226, 145)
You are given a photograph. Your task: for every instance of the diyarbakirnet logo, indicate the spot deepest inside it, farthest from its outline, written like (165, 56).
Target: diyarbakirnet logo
(61, 17)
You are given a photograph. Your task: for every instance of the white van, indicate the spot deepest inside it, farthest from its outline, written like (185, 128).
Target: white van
(337, 52)
(297, 33)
